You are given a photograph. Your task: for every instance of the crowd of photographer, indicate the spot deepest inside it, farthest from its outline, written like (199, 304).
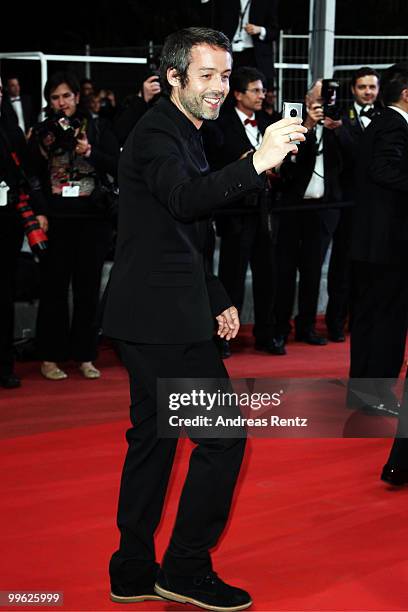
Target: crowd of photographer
(284, 233)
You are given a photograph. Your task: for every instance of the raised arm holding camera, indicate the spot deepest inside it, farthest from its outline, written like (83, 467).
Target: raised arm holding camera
(72, 160)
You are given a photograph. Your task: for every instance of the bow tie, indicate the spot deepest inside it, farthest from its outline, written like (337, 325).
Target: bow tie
(367, 113)
(15, 99)
(252, 122)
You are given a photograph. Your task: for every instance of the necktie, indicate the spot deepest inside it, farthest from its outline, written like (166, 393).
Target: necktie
(252, 122)
(367, 112)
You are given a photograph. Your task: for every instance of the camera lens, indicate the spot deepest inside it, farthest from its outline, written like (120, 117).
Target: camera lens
(293, 112)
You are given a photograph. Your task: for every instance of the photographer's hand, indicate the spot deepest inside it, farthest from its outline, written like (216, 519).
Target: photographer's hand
(331, 124)
(314, 115)
(43, 221)
(83, 147)
(150, 88)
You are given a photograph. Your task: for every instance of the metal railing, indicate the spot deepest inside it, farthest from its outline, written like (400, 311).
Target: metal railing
(350, 53)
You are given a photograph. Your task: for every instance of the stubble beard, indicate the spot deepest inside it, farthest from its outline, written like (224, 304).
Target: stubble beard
(195, 105)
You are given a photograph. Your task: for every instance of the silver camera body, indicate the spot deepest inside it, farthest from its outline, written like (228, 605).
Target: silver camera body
(292, 109)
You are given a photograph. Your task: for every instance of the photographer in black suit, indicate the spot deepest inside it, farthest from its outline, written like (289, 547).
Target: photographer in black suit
(161, 306)
(379, 250)
(365, 85)
(12, 146)
(311, 182)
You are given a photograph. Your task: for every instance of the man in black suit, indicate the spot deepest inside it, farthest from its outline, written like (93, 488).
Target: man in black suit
(365, 85)
(251, 25)
(12, 146)
(161, 307)
(19, 104)
(379, 250)
(311, 183)
(248, 231)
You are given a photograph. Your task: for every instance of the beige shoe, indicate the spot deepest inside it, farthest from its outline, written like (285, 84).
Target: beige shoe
(88, 370)
(52, 372)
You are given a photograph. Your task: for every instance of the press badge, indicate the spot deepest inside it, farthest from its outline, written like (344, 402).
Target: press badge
(70, 191)
(4, 188)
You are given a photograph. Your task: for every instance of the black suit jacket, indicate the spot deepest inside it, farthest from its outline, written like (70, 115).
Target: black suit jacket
(159, 291)
(232, 142)
(224, 15)
(380, 219)
(27, 108)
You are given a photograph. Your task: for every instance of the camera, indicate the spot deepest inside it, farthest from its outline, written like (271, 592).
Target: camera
(59, 133)
(292, 109)
(331, 108)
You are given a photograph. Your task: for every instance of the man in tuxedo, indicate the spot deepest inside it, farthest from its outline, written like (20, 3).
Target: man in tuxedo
(12, 145)
(19, 104)
(379, 250)
(365, 85)
(248, 230)
(310, 184)
(251, 25)
(161, 305)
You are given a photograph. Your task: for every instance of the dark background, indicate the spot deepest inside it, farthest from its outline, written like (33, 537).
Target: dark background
(118, 28)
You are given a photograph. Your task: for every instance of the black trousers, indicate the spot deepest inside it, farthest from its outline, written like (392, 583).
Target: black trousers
(303, 239)
(379, 316)
(76, 252)
(339, 274)
(11, 237)
(245, 240)
(214, 466)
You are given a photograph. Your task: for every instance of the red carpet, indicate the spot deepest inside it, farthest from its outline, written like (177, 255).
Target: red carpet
(312, 526)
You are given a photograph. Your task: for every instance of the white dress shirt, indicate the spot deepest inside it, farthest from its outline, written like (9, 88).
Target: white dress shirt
(315, 188)
(364, 121)
(252, 131)
(18, 109)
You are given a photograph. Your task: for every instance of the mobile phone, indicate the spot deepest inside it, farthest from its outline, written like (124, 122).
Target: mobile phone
(292, 109)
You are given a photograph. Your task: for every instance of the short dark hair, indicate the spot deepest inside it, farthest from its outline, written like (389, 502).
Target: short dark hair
(394, 81)
(362, 72)
(242, 76)
(176, 52)
(57, 79)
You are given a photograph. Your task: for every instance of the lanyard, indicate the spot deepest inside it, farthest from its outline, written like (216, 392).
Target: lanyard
(242, 14)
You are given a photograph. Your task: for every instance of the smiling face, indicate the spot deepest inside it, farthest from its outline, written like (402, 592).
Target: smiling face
(63, 99)
(366, 89)
(207, 83)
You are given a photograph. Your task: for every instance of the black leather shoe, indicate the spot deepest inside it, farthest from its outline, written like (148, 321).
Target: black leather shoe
(208, 592)
(276, 346)
(311, 337)
(382, 409)
(394, 476)
(10, 381)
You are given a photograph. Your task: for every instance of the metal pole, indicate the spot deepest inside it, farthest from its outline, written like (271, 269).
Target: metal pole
(280, 71)
(87, 65)
(323, 17)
